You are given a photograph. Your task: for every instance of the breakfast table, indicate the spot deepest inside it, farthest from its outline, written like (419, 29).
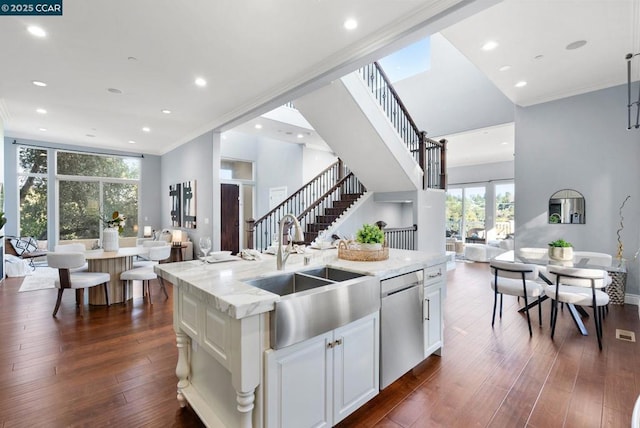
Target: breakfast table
(113, 263)
(577, 312)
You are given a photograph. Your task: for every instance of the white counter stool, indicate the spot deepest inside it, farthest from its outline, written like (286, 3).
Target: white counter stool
(581, 287)
(516, 279)
(67, 279)
(145, 272)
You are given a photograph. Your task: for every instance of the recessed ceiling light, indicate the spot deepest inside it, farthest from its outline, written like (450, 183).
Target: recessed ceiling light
(300, 136)
(43, 129)
(350, 24)
(114, 90)
(41, 111)
(538, 57)
(520, 84)
(132, 58)
(575, 45)
(36, 31)
(38, 83)
(490, 45)
(201, 82)
(258, 126)
(131, 142)
(504, 143)
(166, 111)
(505, 68)
(90, 135)
(146, 129)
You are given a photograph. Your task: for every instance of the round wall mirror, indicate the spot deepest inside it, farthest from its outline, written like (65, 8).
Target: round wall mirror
(566, 207)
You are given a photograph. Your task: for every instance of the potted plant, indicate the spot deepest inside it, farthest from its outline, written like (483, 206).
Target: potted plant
(370, 237)
(560, 250)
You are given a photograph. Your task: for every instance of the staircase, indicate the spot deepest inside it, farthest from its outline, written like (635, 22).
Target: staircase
(361, 117)
(316, 205)
(330, 214)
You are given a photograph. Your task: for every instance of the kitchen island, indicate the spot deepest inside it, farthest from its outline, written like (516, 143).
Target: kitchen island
(223, 331)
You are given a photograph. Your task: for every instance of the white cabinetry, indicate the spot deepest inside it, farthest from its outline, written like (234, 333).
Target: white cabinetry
(434, 289)
(318, 382)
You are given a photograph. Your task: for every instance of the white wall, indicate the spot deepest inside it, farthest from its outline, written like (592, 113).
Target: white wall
(579, 143)
(277, 164)
(194, 160)
(453, 96)
(480, 173)
(314, 162)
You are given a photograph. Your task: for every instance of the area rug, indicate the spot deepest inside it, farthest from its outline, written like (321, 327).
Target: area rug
(40, 279)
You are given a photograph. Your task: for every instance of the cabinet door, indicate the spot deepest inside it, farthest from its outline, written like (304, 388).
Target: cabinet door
(299, 384)
(356, 365)
(432, 319)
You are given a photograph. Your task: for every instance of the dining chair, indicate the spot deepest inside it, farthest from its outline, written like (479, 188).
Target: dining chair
(593, 258)
(578, 286)
(65, 263)
(145, 273)
(515, 279)
(144, 259)
(73, 248)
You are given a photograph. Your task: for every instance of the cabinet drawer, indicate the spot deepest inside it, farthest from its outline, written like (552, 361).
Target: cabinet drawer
(434, 274)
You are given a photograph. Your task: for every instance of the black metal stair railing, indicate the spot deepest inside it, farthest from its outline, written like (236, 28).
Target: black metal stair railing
(306, 203)
(403, 238)
(428, 153)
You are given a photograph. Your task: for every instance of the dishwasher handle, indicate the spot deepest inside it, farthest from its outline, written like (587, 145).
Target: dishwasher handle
(400, 290)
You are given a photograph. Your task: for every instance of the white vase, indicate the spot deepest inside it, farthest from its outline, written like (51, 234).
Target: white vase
(110, 239)
(561, 253)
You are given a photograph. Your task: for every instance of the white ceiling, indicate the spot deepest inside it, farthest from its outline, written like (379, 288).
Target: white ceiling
(526, 29)
(254, 55)
(532, 37)
(481, 146)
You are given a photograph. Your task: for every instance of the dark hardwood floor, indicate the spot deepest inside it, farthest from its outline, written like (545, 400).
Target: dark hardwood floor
(115, 366)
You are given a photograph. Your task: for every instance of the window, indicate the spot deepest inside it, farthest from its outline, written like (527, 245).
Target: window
(474, 212)
(32, 185)
(505, 210)
(465, 211)
(454, 213)
(91, 188)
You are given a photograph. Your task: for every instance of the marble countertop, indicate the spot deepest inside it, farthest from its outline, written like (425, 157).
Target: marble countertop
(222, 284)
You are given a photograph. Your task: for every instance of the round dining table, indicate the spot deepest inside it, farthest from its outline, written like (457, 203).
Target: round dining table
(113, 263)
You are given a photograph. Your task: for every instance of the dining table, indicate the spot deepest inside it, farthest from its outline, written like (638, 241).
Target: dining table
(577, 312)
(113, 263)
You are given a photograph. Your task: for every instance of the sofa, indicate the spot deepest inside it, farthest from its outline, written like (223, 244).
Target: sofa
(485, 252)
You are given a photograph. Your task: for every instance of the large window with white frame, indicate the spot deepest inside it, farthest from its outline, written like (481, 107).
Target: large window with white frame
(89, 188)
(505, 210)
(32, 192)
(467, 208)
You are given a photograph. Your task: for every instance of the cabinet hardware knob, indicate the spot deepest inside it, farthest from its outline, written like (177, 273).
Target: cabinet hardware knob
(337, 342)
(330, 345)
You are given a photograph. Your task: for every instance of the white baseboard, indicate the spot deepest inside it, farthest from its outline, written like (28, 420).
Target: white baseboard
(632, 299)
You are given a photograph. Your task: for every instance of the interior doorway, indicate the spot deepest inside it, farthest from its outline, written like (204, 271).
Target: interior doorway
(230, 217)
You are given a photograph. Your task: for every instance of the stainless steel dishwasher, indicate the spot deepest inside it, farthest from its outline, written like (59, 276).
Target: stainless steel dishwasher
(401, 325)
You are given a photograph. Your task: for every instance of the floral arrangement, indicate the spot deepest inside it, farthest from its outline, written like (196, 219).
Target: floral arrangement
(116, 221)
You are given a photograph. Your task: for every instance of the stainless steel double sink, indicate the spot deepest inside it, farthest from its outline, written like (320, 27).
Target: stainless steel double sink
(317, 300)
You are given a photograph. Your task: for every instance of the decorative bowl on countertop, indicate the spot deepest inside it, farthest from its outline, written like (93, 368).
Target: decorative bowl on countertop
(219, 255)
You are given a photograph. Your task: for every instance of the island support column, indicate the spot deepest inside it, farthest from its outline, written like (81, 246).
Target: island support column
(245, 365)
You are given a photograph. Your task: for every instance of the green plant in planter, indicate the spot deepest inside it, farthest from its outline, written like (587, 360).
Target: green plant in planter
(370, 234)
(560, 243)
(3, 220)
